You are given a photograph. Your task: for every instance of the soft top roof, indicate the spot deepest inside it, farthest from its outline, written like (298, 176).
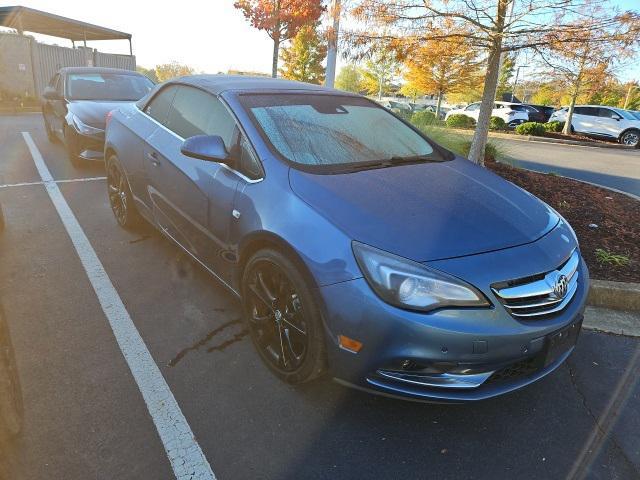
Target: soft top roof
(219, 83)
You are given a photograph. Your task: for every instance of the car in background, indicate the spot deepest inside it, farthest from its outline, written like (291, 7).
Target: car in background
(356, 244)
(603, 122)
(76, 102)
(545, 111)
(513, 114)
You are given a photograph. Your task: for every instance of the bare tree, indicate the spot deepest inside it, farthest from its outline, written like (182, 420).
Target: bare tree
(494, 26)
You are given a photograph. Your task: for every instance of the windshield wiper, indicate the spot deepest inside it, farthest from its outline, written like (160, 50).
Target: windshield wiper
(390, 162)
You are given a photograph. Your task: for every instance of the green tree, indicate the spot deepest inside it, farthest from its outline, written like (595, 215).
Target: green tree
(349, 79)
(302, 60)
(378, 73)
(167, 71)
(506, 74)
(150, 73)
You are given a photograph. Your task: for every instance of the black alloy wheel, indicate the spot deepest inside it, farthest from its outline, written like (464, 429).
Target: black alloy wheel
(282, 319)
(119, 195)
(631, 138)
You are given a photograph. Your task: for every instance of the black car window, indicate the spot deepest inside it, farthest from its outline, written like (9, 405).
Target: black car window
(247, 161)
(158, 107)
(195, 112)
(589, 111)
(607, 113)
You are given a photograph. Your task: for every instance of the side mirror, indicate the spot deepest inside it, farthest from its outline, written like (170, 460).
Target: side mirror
(206, 147)
(50, 93)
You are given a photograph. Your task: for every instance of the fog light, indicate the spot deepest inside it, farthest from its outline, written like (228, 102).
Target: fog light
(349, 344)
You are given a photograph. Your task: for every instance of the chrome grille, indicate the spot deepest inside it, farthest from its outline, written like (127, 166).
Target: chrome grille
(542, 296)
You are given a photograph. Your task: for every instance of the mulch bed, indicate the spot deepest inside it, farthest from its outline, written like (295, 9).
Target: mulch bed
(617, 218)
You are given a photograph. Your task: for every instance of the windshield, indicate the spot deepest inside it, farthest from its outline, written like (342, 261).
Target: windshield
(330, 130)
(626, 114)
(107, 86)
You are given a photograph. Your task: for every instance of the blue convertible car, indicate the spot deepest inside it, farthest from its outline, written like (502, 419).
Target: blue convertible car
(357, 245)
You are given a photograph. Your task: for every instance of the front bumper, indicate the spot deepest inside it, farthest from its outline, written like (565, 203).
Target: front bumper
(450, 355)
(87, 147)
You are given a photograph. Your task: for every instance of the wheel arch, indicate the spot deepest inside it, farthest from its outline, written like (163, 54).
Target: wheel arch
(265, 239)
(629, 129)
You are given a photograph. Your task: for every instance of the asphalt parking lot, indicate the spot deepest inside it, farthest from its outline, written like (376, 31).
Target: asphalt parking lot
(86, 418)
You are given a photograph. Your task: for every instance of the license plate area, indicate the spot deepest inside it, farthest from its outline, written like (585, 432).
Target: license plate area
(561, 341)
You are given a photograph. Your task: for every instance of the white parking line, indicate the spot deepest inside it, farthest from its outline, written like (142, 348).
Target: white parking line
(70, 180)
(186, 457)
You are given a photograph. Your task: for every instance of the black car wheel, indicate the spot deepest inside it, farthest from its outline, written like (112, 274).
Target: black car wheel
(631, 138)
(51, 135)
(11, 406)
(120, 197)
(284, 323)
(71, 143)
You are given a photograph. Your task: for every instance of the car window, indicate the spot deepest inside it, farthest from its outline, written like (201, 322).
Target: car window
(318, 130)
(589, 111)
(107, 86)
(473, 107)
(158, 107)
(247, 162)
(607, 113)
(195, 112)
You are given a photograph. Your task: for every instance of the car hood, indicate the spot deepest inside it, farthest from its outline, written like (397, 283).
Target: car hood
(427, 211)
(93, 112)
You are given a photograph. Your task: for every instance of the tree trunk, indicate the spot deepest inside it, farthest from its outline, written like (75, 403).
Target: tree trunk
(567, 124)
(438, 105)
(276, 42)
(479, 142)
(276, 52)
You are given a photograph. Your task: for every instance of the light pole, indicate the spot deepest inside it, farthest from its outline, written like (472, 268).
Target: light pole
(628, 97)
(515, 82)
(332, 47)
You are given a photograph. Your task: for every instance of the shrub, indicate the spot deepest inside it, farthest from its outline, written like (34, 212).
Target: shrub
(458, 120)
(404, 114)
(496, 123)
(423, 118)
(554, 126)
(491, 152)
(609, 258)
(531, 128)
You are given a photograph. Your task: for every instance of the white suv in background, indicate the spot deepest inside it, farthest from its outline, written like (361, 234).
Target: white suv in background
(606, 122)
(513, 114)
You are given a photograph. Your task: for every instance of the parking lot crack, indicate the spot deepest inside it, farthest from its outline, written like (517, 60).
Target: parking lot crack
(602, 431)
(208, 337)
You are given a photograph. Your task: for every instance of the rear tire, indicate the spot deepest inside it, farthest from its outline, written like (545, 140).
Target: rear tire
(120, 197)
(631, 138)
(282, 317)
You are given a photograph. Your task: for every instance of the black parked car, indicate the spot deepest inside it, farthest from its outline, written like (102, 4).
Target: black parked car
(545, 112)
(76, 103)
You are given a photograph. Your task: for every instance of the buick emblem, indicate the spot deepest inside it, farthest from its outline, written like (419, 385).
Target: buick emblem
(561, 286)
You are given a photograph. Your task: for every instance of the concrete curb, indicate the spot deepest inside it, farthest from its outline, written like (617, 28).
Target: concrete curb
(614, 295)
(561, 141)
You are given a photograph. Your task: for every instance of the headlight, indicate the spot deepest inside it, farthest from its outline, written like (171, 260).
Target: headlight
(410, 285)
(85, 129)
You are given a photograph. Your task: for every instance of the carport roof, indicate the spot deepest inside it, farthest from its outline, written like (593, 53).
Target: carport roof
(36, 21)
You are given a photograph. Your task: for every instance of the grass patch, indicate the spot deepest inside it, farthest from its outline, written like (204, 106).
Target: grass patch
(608, 258)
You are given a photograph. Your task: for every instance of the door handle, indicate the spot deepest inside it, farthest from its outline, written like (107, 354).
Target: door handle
(153, 156)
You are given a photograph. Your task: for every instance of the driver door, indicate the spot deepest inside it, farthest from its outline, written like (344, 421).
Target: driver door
(192, 199)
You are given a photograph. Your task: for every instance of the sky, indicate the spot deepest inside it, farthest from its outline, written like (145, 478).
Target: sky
(209, 35)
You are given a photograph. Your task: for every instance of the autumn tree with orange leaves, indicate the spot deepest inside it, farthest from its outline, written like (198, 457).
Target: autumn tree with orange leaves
(494, 27)
(443, 67)
(281, 19)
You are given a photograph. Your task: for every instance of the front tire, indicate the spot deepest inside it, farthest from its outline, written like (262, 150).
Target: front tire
(282, 317)
(51, 136)
(120, 197)
(631, 138)
(70, 144)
